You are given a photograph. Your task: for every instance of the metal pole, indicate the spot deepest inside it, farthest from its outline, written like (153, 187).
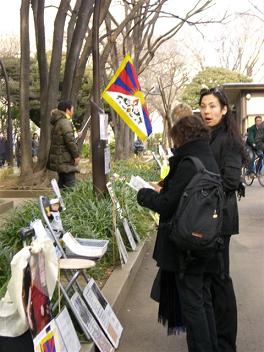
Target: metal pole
(98, 146)
(9, 119)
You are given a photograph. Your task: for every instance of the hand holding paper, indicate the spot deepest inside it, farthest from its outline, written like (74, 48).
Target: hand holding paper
(137, 182)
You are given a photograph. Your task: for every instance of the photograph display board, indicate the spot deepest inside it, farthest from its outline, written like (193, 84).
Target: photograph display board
(90, 324)
(35, 295)
(115, 200)
(103, 312)
(130, 232)
(67, 331)
(121, 247)
(107, 159)
(121, 215)
(56, 190)
(59, 335)
(134, 232)
(103, 123)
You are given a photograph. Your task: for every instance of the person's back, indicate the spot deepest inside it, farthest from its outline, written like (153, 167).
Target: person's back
(64, 153)
(259, 140)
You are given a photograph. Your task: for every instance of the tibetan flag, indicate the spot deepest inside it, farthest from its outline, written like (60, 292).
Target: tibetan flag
(48, 343)
(124, 95)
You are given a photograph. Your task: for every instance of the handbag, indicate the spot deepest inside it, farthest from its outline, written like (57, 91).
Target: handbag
(155, 289)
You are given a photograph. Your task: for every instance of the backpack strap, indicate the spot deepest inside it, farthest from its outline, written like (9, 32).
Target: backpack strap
(196, 161)
(199, 165)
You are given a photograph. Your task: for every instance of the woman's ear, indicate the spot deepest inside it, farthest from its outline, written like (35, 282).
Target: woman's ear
(224, 110)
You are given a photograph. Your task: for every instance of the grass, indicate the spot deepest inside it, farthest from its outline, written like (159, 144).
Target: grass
(86, 216)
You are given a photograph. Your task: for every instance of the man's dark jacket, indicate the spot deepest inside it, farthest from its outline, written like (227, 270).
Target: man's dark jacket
(165, 203)
(251, 131)
(229, 160)
(259, 140)
(63, 148)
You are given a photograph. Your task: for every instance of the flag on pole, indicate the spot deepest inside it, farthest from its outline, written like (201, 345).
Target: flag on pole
(124, 95)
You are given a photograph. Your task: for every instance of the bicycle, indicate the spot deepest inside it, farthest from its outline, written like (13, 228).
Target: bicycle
(257, 172)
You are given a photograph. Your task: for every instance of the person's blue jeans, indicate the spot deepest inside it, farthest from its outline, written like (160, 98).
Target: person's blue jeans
(252, 156)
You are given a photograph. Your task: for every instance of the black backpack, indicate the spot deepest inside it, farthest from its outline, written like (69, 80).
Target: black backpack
(196, 224)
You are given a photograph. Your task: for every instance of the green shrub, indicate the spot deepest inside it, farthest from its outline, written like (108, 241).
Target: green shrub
(85, 153)
(86, 216)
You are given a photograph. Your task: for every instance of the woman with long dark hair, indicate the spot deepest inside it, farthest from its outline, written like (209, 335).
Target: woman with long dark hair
(227, 146)
(184, 297)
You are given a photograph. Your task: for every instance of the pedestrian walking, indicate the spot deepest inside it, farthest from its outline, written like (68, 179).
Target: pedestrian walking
(18, 151)
(64, 154)
(183, 300)
(3, 149)
(227, 147)
(35, 146)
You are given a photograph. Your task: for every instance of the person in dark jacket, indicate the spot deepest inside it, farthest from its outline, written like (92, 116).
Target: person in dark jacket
(227, 147)
(184, 300)
(251, 143)
(3, 149)
(252, 131)
(259, 139)
(64, 154)
(35, 146)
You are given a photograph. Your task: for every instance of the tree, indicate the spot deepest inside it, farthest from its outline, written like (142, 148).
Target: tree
(163, 80)
(210, 77)
(242, 50)
(26, 165)
(138, 36)
(134, 33)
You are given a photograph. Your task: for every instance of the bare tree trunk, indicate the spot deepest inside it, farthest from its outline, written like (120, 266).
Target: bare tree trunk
(26, 161)
(53, 83)
(9, 119)
(85, 12)
(72, 24)
(87, 50)
(38, 12)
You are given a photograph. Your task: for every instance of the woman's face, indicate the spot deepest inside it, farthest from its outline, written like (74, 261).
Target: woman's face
(211, 110)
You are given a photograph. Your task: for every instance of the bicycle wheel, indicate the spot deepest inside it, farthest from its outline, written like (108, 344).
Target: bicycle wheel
(245, 175)
(260, 175)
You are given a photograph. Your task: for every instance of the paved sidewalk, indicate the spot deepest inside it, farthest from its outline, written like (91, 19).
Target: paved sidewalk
(138, 315)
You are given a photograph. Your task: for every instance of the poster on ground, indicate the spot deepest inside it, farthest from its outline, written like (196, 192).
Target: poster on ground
(103, 312)
(123, 255)
(90, 324)
(49, 339)
(58, 336)
(121, 215)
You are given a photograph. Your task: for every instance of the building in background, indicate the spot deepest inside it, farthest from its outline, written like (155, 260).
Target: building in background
(247, 100)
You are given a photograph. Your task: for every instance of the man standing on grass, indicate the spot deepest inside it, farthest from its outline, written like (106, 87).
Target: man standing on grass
(64, 155)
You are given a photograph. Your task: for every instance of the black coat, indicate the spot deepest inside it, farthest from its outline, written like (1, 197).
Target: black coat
(229, 161)
(165, 203)
(63, 146)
